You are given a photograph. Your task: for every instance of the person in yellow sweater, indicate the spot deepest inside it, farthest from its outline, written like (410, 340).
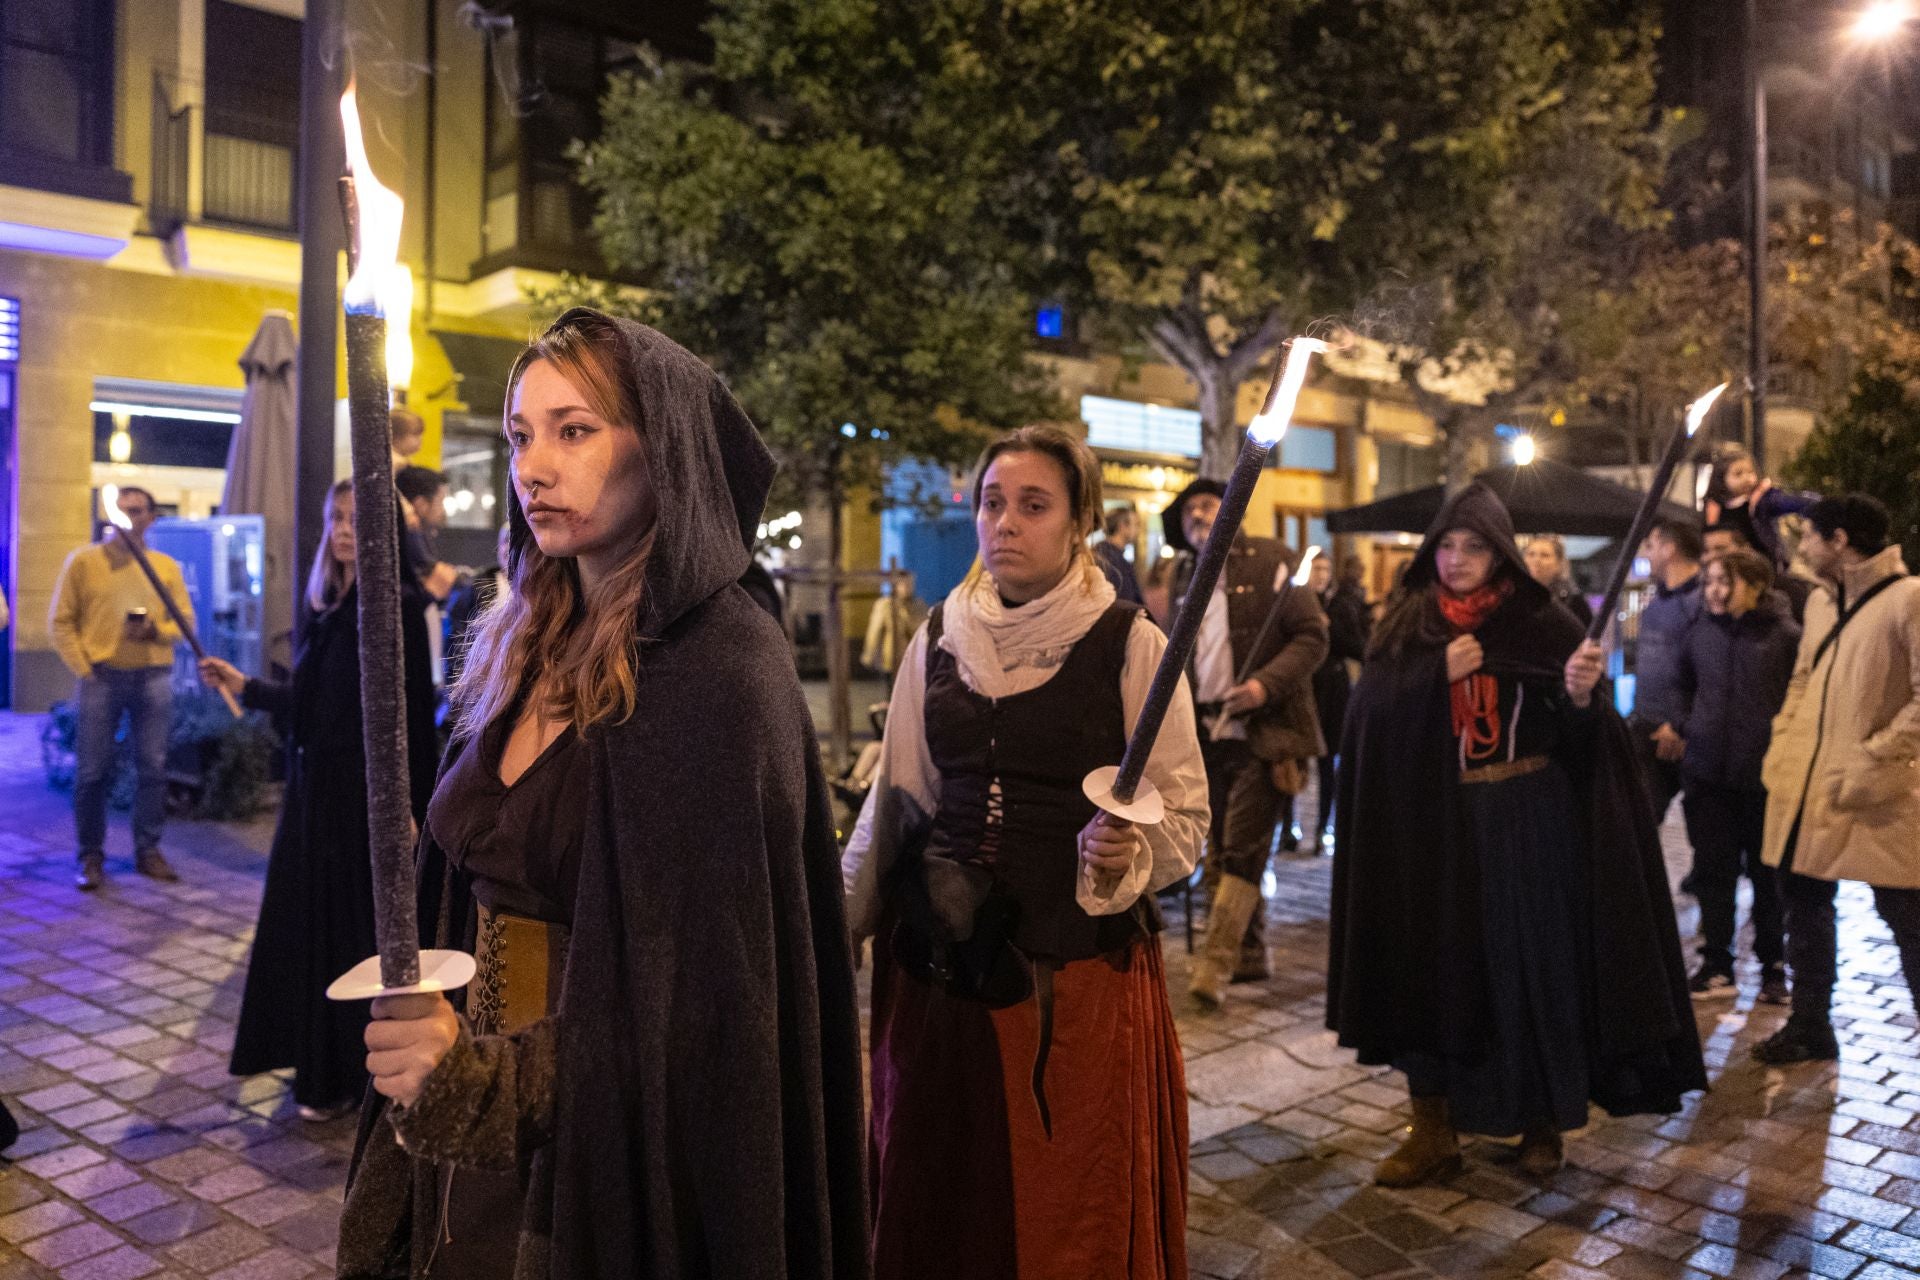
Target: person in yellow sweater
(114, 633)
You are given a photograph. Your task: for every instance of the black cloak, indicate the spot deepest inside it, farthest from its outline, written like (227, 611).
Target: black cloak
(316, 913)
(706, 1113)
(1406, 970)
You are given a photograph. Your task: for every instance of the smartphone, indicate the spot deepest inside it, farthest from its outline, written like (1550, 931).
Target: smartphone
(136, 615)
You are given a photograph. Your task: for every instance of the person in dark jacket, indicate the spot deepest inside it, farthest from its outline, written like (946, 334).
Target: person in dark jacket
(471, 599)
(1502, 930)
(1734, 672)
(1349, 622)
(1730, 535)
(655, 1074)
(1546, 556)
(1673, 552)
(1118, 529)
(1260, 642)
(316, 914)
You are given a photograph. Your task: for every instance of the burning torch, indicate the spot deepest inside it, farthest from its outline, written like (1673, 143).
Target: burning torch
(1643, 519)
(375, 288)
(1123, 791)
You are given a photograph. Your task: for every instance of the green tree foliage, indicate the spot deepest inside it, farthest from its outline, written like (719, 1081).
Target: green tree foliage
(1872, 445)
(1213, 178)
(818, 242)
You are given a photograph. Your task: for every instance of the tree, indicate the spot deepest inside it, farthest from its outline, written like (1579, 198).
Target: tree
(820, 264)
(1872, 445)
(1207, 180)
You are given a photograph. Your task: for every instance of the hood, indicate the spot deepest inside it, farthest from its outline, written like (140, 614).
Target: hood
(709, 469)
(1170, 530)
(1478, 509)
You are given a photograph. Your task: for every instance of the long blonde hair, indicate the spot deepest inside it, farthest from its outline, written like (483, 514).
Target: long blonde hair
(548, 637)
(329, 578)
(1084, 501)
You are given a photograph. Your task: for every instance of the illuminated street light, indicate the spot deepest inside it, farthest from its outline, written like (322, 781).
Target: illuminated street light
(1523, 450)
(1882, 20)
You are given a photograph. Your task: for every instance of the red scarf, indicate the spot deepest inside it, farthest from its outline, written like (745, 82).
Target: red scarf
(1475, 699)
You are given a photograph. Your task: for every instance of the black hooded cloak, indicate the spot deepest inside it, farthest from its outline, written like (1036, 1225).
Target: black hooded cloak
(1406, 971)
(694, 1108)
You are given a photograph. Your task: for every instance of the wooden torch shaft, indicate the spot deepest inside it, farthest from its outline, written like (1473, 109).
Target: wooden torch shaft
(1637, 532)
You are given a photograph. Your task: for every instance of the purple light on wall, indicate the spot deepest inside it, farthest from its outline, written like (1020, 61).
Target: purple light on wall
(71, 244)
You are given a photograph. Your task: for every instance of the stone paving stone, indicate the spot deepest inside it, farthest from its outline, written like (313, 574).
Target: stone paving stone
(124, 1263)
(70, 1244)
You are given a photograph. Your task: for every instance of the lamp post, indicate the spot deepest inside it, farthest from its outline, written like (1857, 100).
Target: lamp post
(1757, 247)
(1878, 22)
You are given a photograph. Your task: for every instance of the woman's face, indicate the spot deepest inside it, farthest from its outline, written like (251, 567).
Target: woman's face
(1716, 587)
(1464, 561)
(1741, 477)
(1544, 562)
(581, 479)
(1025, 524)
(340, 528)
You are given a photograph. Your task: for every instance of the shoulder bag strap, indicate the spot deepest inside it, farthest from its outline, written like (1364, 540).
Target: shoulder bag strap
(1827, 641)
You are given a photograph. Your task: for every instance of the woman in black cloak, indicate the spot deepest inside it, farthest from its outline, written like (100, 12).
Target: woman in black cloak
(316, 915)
(1502, 927)
(656, 1072)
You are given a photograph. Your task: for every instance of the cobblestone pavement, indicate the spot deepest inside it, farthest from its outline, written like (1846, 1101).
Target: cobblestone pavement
(142, 1158)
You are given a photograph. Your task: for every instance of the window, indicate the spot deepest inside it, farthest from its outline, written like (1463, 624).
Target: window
(560, 69)
(253, 121)
(1406, 466)
(1307, 449)
(56, 81)
(1133, 427)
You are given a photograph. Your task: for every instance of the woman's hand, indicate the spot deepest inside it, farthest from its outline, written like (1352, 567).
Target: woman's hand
(1108, 845)
(219, 674)
(1583, 673)
(406, 1040)
(1464, 657)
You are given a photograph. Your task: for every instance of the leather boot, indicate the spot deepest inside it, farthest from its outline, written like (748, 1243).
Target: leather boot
(1251, 966)
(1541, 1154)
(1432, 1148)
(1234, 903)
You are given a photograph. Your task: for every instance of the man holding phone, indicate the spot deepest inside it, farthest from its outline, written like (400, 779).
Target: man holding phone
(115, 635)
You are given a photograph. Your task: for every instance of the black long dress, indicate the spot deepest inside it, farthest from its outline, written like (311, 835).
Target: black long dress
(316, 915)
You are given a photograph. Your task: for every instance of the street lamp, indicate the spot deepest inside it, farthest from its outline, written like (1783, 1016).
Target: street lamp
(1882, 20)
(1524, 451)
(1879, 21)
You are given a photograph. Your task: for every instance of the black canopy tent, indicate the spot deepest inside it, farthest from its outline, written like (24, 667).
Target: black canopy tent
(1544, 496)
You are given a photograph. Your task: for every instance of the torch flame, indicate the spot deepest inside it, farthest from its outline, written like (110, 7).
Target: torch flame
(1268, 427)
(371, 286)
(110, 501)
(1697, 411)
(1305, 570)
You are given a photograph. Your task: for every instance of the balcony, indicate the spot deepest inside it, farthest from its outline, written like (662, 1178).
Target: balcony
(247, 169)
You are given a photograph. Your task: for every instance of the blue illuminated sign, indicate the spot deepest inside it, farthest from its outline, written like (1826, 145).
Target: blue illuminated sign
(9, 330)
(1051, 322)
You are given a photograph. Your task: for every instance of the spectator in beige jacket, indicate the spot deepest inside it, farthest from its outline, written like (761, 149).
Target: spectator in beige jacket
(1843, 772)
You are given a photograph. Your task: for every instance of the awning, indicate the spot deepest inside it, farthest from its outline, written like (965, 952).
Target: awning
(1543, 496)
(483, 364)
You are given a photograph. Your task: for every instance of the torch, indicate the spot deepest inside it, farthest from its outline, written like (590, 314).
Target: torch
(1124, 791)
(110, 499)
(1643, 518)
(373, 216)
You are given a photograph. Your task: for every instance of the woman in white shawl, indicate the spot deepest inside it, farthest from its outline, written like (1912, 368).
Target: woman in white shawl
(1029, 1102)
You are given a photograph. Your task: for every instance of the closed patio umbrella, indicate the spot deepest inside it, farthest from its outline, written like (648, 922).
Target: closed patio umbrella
(1544, 496)
(260, 472)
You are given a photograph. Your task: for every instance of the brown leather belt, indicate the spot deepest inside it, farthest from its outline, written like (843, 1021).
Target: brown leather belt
(1507, 769)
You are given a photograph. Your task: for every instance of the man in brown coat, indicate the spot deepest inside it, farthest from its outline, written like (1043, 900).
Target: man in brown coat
(1252, 678)
(1843, 770)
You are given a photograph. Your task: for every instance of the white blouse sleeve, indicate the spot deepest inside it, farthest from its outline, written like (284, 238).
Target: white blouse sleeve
(1167, 852)
(903, 796)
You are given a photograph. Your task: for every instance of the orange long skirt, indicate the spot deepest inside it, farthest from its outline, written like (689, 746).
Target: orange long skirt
(967, 1185)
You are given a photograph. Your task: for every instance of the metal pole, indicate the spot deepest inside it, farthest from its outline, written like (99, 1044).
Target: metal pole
(322, 160)
(1757, 215)
(839, 678)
